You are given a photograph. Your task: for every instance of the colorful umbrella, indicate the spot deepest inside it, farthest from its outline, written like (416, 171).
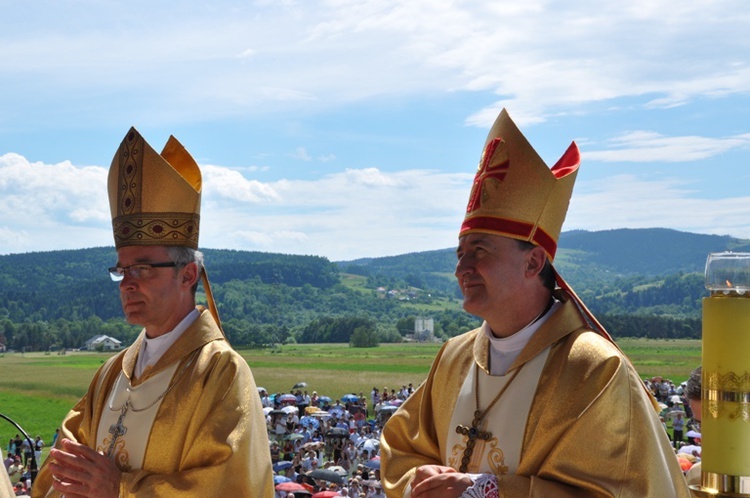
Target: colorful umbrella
(282, 465)
(349, 398)
(287, 398)
(308, 421)
(290, 487)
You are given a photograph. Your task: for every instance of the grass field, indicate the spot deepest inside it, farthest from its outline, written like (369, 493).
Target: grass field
(37, 390)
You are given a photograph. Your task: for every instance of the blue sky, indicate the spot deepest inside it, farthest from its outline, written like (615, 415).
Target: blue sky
(353, 129)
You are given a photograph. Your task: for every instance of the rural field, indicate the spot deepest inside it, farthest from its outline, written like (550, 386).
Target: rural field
(37, 389)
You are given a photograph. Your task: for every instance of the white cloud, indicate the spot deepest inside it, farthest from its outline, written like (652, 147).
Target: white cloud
(538, 57)
(647, 146)
(230, 184)
(629, 201)
(342, 215)
(301, 154)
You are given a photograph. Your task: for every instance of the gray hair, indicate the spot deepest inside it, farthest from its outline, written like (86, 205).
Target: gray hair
(184, 256)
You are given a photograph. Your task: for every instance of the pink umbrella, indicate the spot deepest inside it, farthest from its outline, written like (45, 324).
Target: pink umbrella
(290, 487)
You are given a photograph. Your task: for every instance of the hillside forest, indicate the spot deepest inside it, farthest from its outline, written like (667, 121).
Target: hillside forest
(639, 283)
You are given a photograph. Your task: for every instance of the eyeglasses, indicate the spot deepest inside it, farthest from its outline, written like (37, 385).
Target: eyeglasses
(139, 271)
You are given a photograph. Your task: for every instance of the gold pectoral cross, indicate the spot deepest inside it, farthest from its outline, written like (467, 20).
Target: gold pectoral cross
(118, 430)
(473, 433)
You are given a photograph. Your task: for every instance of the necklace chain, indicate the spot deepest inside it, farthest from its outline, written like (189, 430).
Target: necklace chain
(164, 393)
(497, 398)
(474, 432)
(118, 430)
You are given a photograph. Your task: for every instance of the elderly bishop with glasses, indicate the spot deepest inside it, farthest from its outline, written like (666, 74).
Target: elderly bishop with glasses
(177, 413)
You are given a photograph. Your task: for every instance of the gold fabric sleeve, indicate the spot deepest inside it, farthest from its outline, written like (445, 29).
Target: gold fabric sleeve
(209, 436)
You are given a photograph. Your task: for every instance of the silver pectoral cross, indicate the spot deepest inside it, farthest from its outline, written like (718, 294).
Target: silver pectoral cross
(118, 430)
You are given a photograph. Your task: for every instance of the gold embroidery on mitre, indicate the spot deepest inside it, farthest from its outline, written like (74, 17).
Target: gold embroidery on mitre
(164, 228)
(154, 198)
(131, 174)
(492, 166)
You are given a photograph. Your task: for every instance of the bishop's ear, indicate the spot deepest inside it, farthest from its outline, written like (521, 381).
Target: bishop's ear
(190, 274)
(536, 257)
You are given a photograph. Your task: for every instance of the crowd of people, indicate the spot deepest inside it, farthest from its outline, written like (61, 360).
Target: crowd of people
(22, 461)
(680, 420)
(321, 445)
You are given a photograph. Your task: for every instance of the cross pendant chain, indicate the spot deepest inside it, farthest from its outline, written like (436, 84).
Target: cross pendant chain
(118, 430)
(473, 433)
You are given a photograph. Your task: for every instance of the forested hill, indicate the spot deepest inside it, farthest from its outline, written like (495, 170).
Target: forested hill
(61, 298)
(649, 251)
(622, 252)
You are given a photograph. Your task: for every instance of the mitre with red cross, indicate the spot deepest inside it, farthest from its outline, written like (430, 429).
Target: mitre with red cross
(154, 199)
(515, 194)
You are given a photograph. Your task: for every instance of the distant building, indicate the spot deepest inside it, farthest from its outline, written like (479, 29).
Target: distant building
(424, 329)
(102, 343)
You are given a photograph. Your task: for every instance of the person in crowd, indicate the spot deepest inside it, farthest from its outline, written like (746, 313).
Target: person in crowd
(15, 471)
(38, 446)
(18, 445)
(27, 451)
(678, 426)
(538, 401)
(55, 436)
(177, 413)
(694, 397)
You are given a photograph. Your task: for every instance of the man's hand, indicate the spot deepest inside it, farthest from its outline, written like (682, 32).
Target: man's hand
(79, 471)
(438, 481)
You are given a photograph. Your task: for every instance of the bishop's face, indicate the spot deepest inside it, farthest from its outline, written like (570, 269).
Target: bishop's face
(491, 273)
(154, 299)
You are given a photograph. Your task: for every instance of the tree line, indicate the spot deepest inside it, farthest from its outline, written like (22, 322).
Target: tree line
(60, 299)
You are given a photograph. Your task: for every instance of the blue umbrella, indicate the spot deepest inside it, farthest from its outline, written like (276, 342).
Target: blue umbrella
(324, 399)
(308, 421)
(374, 463)
(280, 479)
(350, 398)
(283, 465)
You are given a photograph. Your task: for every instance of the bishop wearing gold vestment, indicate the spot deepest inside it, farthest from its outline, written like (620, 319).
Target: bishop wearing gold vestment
(538, 401)
(177, 413)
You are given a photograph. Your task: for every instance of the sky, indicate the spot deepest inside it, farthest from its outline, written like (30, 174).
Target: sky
(351, 129)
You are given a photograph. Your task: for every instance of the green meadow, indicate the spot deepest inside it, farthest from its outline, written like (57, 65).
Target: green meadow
(37, 389)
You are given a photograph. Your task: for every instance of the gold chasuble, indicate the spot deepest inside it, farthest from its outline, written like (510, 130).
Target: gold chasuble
(589, 430)
(186, 443)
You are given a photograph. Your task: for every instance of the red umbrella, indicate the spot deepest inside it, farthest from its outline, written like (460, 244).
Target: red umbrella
(326, 494)
(290, 487)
